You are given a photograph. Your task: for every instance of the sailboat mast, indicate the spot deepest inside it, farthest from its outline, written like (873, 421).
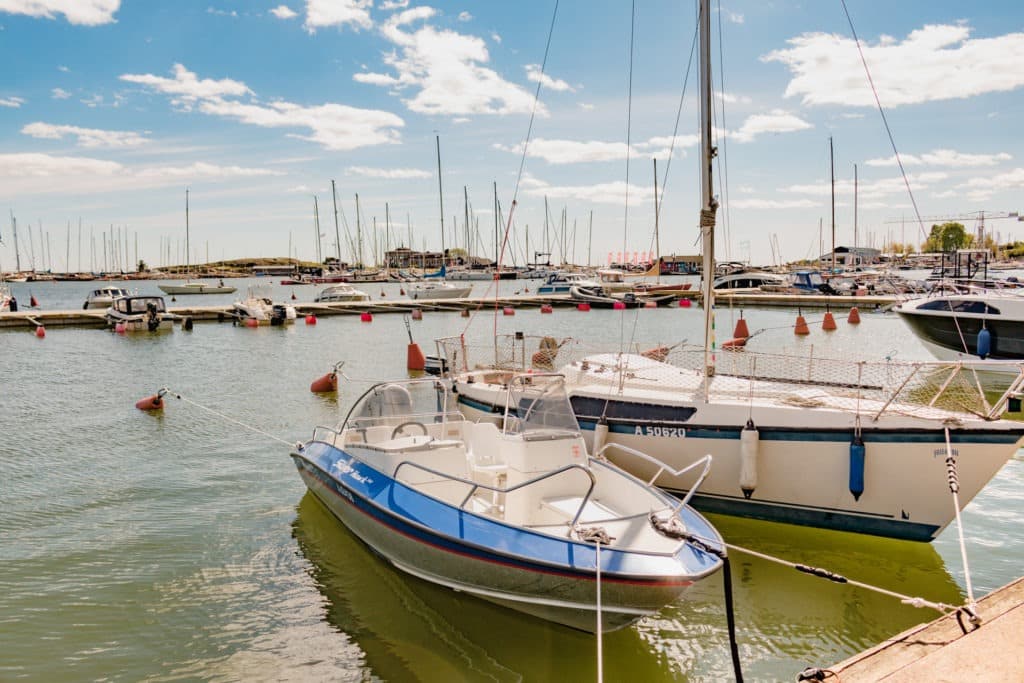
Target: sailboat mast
(440, 195)
(832, 173)
(186, 234)
(14, 229)
(709, 205)
(359, 231)
(316, 226)
(590, 236)
(497, 227)
(657, 243)
(337, 233)
(855, 208)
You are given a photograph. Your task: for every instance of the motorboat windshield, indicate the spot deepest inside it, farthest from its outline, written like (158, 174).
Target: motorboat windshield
(537, 407)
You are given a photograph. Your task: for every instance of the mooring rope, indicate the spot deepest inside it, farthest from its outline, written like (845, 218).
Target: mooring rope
(954, 488)
(221, 415)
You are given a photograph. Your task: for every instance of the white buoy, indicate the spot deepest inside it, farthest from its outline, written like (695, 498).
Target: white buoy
(600, 436)
(749, 446)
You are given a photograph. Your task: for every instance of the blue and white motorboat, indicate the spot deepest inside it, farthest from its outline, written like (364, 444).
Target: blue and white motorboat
(561, 282)
(518, 514)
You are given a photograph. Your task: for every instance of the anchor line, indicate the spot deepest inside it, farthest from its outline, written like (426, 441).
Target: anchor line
(166, 391)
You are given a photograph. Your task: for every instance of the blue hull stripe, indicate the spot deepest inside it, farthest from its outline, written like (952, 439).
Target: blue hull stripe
(1010, 436)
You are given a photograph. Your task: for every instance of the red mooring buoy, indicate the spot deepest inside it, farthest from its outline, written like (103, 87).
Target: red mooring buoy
(741, 331)
(366, 317)
(414, 358)
(40, 331)
(801, 326)
(547, 308)
(584, 306)
(32, 301)
(416, 314)
(854, 317)
(829, 322)
(508, 310)
(619, 306)
(685, 303)
(735, 343)
(325, 384)
(294, 297)
(154, 402)
(252, 322)
(311, 319)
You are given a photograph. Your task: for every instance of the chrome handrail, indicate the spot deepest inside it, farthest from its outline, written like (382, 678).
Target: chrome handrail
(508, 489)
(663, 467)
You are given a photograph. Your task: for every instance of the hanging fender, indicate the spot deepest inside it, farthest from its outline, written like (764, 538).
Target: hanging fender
(750, 445)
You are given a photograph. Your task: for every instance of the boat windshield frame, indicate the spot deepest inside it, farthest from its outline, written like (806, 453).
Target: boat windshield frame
(360, 414)
(537, 407)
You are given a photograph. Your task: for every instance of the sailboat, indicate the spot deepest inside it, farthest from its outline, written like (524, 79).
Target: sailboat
(868, 447)
(189, 287)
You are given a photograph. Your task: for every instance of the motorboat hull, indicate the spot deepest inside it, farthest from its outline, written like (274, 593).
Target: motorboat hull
(554, 580)
(958, 333)
(195, 288)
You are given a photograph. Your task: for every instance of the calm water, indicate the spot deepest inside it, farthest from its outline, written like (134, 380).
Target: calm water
(182, 546)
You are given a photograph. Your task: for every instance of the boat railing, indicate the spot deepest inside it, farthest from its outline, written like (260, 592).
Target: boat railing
(929, 389)
(663, 467)
(476, 486)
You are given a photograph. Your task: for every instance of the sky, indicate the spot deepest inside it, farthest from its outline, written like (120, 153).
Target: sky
(110, 109)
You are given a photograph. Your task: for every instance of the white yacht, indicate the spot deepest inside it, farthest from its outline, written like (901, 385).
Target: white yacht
(104, 297)
(341, 292)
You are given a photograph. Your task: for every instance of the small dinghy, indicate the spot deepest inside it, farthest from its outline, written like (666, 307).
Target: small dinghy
(517, 514)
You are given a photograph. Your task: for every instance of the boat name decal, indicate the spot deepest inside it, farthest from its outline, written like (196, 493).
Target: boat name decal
(345, 468)
(671, 432)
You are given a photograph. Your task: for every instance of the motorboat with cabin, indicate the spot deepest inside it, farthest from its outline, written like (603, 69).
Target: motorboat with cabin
(104, 297)
(516, 512)
(260, 307)
(750, 280)
(562, 281)
(189, 288)
(437, 289)
(597, 297)
(968, 325)
(139, 313)
(341, 292)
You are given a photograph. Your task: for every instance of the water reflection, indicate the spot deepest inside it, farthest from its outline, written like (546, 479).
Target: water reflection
(410, 629)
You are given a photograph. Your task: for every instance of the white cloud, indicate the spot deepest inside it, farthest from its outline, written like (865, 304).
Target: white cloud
(943, 157)
(333, 126)
(81, 12)
(981, 189)
(299, 189)
(389, 5)
(775, 121)
(599, 193)
(935, 62)
(187, 88)
(92, 101)
(11, 102)
(867, 189)
(222, 12)
(322, 13)
(577, 151)
(63, 69)
(284, 12)
(465, 16)
(496, 37)
(586, 106)
(33, 173)
(388, 173)
(533, 73)
(60, 94)
(734, 17)
(448, 70)
(87, 137)
(753, 203)
(730, 98)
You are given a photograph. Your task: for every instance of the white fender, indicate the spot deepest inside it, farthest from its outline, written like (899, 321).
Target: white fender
(749, 447)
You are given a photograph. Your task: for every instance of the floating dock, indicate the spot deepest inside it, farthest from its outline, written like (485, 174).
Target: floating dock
(941, 651)
(223, 313)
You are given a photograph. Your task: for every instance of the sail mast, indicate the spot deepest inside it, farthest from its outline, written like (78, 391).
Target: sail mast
(709, 205)
(657, 239)
(440, 196)
(832, 174)
(186, 234)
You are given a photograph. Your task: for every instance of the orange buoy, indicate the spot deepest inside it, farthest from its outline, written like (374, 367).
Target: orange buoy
(40, 331)
(401, 291)
(366, 317)
(32, 301)
(252, 322)
(325, 384)
(735, 343)
(828, 323)
(854, 317)
(414, 358)
(801, 326)
(464, 313)
(658, 353)
(584, 306)
(311, 319)
(685, 303)
(416, 314)
(547, 308)
(741, 331)
(154, 402)
(508, 310)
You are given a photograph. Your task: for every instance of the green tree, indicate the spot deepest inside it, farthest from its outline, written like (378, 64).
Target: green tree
(947, 237)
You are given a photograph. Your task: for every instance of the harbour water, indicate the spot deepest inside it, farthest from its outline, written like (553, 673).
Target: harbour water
(183, 546)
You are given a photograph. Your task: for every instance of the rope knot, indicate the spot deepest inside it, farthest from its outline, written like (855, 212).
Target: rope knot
(594, 534)
(707, 217)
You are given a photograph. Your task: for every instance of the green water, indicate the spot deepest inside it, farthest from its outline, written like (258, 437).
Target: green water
(184, 547)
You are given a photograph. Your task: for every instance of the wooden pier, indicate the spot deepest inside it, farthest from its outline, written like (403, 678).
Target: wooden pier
(222, 313)
(940, 651)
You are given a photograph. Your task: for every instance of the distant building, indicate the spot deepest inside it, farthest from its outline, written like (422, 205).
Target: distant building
(680, 265)
(851, 257)
(403, 257)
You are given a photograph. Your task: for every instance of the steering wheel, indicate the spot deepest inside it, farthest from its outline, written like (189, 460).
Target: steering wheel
(411, 423)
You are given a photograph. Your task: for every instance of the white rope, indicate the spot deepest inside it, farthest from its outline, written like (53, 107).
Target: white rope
(954, 488)
(227, 417)
(600, 655)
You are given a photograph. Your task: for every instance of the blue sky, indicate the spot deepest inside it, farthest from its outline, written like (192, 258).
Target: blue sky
(109, 109)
